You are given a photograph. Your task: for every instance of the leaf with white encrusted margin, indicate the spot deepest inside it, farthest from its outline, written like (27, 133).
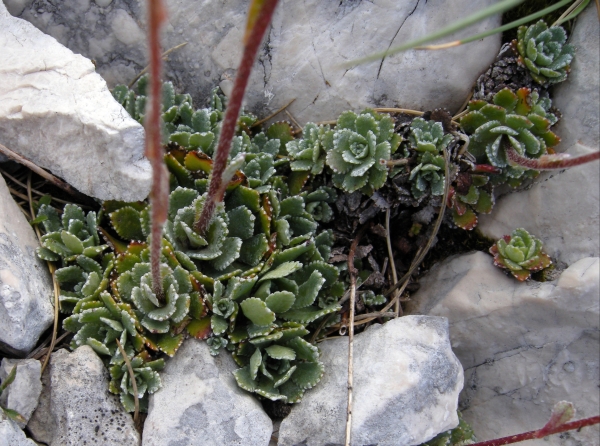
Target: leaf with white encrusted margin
(244, 379)
(241, 222)
(307, 314)
(257, 311)
(282, 270)
(218, 324)
(308, 290)
(280, 301)
(230, 251)
(126, 222)
(308, 374)
(304, 349)
(281, 352)
(291, 391)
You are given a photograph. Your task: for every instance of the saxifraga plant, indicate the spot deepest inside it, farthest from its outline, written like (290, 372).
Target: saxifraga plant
(520, 253)
(544, 52)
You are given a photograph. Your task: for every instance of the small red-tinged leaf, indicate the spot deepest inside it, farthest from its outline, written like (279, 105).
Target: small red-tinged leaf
(538, 263)
(523, 107)
(115, 244)
(238, 178)
(181, 173)
(198, 309)
(451, 197)
(486, 168)
(151, 343)
(521, 275)
(197, 161)
(297, 180)
(179, 155)
(459, 207)
(467, 221)
(199, 328)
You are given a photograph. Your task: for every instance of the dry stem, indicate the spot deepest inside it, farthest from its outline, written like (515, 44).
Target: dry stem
(136, 400)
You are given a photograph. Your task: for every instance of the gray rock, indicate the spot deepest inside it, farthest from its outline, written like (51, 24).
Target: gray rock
(76, 407)
(302, 56)
(57, 112)
(578, 97)
(11, 434)
(524, 346)
(24, 392)
(25, 284)
(563, 209)
(201, 404)
(406, 385)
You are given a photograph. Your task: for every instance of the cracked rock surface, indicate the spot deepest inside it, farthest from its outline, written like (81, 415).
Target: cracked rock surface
(303, 53)
(57, 112)
(76, 407)
(200, 403)
(25, 284)
(563, 208)
(406, 383)
(524, 346)
(11, 434)
(23, 393)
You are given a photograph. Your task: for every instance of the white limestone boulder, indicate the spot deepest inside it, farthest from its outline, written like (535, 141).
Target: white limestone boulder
(302, 55)
(523, 346)
(25, 284)
(200, 403)
(57, 111)
(406, 384)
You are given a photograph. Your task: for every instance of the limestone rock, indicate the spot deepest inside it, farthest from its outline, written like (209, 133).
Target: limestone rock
(302, 56)
(563, 209)
(11, 435)
(406, 385)
(24, 392)
(25, 283)
(78, 408)
(57, 112)
(524, 346)
(200, 403)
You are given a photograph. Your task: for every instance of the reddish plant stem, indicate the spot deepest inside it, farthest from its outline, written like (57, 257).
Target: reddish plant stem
(486, 168)
(541, 432)
(217, 186)
(550, 162)
(159, 196)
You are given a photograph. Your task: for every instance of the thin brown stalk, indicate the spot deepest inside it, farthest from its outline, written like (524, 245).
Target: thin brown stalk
(41, 172)
(398, 307)
(421, 255)
(55, 325)
(352, 272)
(164, 57)
(136, 400)
(159, 196)
(18, 194)
(394, 163)
(557, 161)
(42, 349)
(35, 191)
(407, 111)
(463, 107)
(293, 120)
(272, 115)
(216, 188)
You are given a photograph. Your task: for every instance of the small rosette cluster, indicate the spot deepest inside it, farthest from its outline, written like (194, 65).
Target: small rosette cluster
(362, 144)
(518, 121)
(544, 52)
(469, 195)
(428, 139)
(263, 320)
(520, 253)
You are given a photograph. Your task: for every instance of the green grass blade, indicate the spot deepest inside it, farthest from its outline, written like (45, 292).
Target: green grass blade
(573, 14)
(500, 29)
(497, 8)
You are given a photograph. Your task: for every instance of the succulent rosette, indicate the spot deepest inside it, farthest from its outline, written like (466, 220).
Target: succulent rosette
(361, 146)
(520, 253)
(544, 52)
